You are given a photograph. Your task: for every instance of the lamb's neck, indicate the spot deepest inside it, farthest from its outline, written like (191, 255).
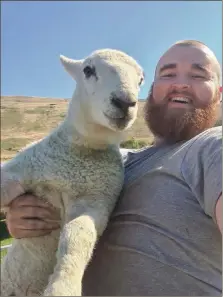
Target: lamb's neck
(70, 135)
(79, 130)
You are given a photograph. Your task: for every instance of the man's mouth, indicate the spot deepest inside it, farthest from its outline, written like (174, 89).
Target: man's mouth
(182, 100)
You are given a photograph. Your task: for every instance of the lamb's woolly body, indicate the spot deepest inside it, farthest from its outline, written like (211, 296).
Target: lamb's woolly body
(80, 174)
(59, 172)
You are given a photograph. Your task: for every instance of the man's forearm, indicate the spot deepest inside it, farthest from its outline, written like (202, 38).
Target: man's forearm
(218, 213)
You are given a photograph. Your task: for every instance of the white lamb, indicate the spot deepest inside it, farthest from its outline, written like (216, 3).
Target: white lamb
(78, 169)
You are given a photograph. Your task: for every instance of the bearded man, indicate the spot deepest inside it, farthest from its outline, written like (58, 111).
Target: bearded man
(164, 237)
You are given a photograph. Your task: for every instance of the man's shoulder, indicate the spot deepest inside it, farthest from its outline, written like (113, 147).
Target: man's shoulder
(212, 136)
(132, 154)
(203, 146)
(204, 141)
(215, 132)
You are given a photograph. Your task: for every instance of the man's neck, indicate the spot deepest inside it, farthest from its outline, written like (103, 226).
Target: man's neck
(158, 141)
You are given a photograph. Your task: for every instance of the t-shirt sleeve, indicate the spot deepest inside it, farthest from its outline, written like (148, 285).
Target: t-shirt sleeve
(202, 169)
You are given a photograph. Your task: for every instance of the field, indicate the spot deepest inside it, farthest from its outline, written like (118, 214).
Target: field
(26, 119)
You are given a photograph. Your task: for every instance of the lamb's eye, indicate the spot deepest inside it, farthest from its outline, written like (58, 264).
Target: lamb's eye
(142, 78)
(89, 71)
(141, 81)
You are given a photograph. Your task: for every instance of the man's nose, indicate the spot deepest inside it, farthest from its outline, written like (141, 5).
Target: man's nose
(181, 83)
(181, 86)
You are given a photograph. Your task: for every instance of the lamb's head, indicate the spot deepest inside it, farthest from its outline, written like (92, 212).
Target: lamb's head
(107, 84)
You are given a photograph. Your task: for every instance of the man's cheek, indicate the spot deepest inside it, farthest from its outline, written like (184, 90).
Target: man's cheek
(206, 95)
(203, 100)
(158, 93)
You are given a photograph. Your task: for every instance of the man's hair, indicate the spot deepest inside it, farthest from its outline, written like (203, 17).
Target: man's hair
(200, 44)
(190, 42)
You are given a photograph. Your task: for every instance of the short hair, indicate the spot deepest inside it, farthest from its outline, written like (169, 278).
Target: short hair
(190, 42)
(200, 44)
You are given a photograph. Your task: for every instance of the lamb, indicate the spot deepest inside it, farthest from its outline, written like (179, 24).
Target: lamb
(78, 169)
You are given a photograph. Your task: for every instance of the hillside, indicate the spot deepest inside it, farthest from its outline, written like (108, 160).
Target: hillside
(25, 119)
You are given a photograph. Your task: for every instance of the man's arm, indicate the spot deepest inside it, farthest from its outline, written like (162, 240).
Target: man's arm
(28, 216)
(202, 170)
(218, 213)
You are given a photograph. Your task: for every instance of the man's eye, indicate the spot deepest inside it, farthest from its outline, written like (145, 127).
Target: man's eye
(168, 75)
(197, 76)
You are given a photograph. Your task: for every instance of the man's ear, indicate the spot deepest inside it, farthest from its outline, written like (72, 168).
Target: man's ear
(73, 67)
(220, 94)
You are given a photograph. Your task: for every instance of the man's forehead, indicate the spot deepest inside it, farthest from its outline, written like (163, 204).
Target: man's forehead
(189, 55)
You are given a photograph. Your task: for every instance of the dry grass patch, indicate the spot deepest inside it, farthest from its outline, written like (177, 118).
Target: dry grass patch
(27, 119)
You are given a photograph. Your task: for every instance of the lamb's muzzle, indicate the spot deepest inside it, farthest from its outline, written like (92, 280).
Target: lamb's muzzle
(123, 104)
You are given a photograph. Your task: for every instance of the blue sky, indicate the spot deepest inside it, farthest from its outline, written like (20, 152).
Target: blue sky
(34, 34)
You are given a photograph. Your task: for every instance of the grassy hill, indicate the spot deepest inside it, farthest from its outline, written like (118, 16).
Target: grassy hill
(25, 119)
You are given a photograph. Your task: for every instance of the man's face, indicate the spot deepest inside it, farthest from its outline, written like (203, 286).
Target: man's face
(184, 98)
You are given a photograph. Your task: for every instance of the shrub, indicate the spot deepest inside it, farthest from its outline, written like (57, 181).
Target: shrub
(2, 216)
(134, 143)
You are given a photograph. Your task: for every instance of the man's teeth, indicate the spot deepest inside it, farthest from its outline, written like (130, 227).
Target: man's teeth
(179, 99)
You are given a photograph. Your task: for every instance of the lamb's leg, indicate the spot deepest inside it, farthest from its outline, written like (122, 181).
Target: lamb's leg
(76, 246)
(26, 268)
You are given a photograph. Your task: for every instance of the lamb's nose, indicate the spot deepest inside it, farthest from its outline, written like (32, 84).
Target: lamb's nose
(122, 103)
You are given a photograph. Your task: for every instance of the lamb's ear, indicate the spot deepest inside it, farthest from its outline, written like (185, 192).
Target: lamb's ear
(73, 67)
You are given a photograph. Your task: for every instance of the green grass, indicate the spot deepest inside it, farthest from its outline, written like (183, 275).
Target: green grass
(5, 238)
(2, 254)
(2, 243)
(6, 241)
(134, 143)
(62, 114)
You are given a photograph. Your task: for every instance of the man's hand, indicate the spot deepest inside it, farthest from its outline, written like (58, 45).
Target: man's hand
(29, 216)
(218, 213)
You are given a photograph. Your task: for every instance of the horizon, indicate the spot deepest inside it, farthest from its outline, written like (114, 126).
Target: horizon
(38, 97)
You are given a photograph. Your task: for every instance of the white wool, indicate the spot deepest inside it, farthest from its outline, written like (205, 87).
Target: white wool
(78, 169)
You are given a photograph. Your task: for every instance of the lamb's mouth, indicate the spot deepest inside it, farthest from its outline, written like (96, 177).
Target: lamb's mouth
(119, 122)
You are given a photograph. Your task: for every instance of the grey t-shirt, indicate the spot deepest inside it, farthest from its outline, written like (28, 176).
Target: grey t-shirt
(162, 238)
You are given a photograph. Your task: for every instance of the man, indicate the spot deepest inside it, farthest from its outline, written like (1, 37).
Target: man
(164, 237)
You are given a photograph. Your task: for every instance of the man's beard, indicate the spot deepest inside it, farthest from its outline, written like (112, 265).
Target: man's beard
(172, 125)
